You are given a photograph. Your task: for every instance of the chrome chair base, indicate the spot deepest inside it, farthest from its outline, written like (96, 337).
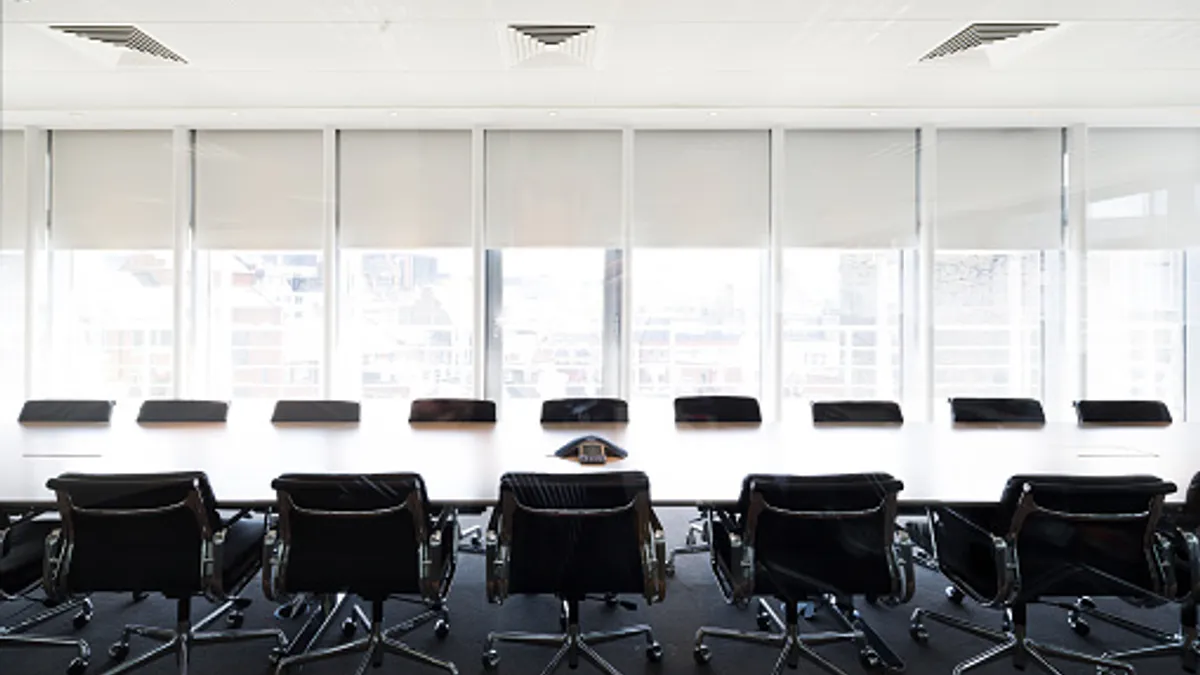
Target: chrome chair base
(377, 643)
(1182, 643)
(1012, 643)
(181, 640)
(793, 644)
(13, 636)
(572, 644)
(697, 541)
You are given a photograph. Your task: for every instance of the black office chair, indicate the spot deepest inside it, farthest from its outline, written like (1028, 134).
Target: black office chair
(22, 546)
(181, 410)
(713, 410)
(568, 536)
(1122, 412)
(856, 412)
(996, 411)
(1051, 536)
(468, 410)
(808, 538)
(157, 533)
(577, 410)
(295, 411)
(371, 535)
(62, 410)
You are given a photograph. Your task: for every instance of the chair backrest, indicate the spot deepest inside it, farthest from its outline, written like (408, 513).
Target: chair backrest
(316, 411)
(358, 534)
(852, 517)
(571, 410)
(571, 534)
(856, 412)
(452, 410)
(134, 532)
(1122, 412)
(63, 410)
(1085, 535)
(997, 411)
(717, 409)
(180, 410)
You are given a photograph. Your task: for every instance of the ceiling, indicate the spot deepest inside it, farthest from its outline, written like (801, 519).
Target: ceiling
(379, 63)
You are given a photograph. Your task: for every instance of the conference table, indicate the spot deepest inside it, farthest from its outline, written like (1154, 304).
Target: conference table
(688, 464)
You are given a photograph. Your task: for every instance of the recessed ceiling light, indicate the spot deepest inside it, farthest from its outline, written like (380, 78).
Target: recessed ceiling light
(553, 113)
(393, 114)
(233, 114)
(713, 113)
(874, 114)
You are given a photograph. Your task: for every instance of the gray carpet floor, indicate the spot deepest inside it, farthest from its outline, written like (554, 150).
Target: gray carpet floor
(692, 600)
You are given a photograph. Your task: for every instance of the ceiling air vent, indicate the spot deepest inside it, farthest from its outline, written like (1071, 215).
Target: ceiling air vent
(123, 36)
(983, 34)
(551, 45)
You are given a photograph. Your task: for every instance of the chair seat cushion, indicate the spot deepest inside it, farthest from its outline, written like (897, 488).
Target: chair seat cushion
(241, 554)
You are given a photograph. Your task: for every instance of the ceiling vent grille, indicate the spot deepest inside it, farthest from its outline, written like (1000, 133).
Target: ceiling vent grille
(124, 37)
(983, 34)
(561, 45)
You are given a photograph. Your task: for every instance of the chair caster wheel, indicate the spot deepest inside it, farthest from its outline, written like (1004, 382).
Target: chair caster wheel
(285, 612)
(869, 659)
(118, 651)
(348, 627)
(702, 654)
(1085, 603)
(1079, 625)
(277, 654)
(81, 619)
(654, 652)
(139, 596)
(610, 600)
(764, 622)
(669, 568)
(77, 666)
(918, 633)
(441, 629)
(491, 659)
(235, 620)
(955, 595)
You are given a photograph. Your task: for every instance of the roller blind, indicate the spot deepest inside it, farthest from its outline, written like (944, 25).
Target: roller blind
(850, 189)
(553, 188)
(259, 190)
(13, 216)
(999, 189)
(701, 188)
(111, 190)
(1143, 188)
(404, 189)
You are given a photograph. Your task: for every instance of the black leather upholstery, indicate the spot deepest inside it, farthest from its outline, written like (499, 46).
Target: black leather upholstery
(354, 533)
(62, 410)
(1122, 412)
(862, 412)
(717, 409)
(997, 411)
(316, 411)
(452, 410)
(847, 514)
(568, 410)
(21, 555)
(180, 410)
(144, 532)
(559, 547)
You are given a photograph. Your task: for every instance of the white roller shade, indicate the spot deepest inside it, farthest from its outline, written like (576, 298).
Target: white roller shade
(999, 189)
(553, 188)
(111, 190)
(13, 216)
(850, 189)
(404, 189)
(259, 190)
(1143, 188)
(701, 188)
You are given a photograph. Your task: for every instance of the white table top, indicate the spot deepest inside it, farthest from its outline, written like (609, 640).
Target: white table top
(687, 464)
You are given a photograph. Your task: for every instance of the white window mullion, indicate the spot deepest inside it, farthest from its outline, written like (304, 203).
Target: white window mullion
(37, 261)
(624, 387)
(771, 351)
(920, 365)
(181, 198)
(1075, 283)
(329, 262)
(478, 247)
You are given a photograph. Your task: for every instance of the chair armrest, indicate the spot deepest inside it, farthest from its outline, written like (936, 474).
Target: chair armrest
(55, 564)
(963, 547)
(496, 560)
(439, 555)
(654, 560)
(902, 555)
(273, 554)
(735, 576)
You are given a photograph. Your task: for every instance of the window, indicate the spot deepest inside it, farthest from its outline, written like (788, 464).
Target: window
(264, 324)
(841, 325)
(1134, 326)
(109, 313)
(12, 325)
(551, 322)
(409, 322)
(988, 324)
(696, 317)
